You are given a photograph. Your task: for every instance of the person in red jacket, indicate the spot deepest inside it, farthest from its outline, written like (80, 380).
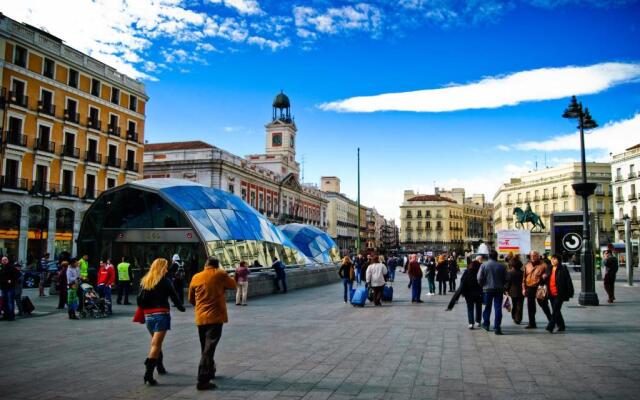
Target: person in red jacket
(106, 279)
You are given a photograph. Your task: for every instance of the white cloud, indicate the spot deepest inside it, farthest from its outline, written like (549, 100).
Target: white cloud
(272, 44)
(493, 92)
(502, 147)
(359, 17)
(613, 137)
(205, 47)
(249, 7)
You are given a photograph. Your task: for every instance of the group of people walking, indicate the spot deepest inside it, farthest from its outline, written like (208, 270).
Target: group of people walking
(542, 282)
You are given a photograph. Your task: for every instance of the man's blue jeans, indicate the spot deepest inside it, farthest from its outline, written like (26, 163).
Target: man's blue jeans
(281, 277)
(348, 285)
(358, 276)
(494, 298)
(105, 292)
(8, 298)
(416, 288)
(392, 274)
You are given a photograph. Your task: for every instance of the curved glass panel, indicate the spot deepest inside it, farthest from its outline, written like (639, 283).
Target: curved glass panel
(314, 243)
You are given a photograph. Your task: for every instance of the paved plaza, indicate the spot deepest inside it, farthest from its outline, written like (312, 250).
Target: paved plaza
(308, 344)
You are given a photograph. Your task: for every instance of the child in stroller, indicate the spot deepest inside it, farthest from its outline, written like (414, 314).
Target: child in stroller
(94, 305)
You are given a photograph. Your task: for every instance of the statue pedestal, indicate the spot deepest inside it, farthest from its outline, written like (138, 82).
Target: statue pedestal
(537, 241)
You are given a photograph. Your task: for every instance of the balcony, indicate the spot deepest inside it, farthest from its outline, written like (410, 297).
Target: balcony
(46, 108)
(536, 198)
(620, 199)
(633, 197)
(70, 151)
(132, 136)
(554, 196)
(90, 194)
(438, 228)
(599, 192)
(113, 130)
(19, 99)
(509, 217)
(45, 145)
(565, 194)
(113, 162)
(94, 123)
(40, 187)
(71, 116)
(15, 139)
(133, 166)
(619, 178)
(12, 182)
(545, 197)
(632, 175)
(92, 156)
(409, 216)
(66, 190)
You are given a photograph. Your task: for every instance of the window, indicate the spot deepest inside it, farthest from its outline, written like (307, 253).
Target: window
(95, 87)
(92, 151)
(253, 199)
(12, 167)
(18, 93)
(71, 113)
(113, 125)
(618, 173)
(90, 188)
(115, 95)
(133, 103)
(49, 68)
(20, 56)
(260, 201)
(111, 182)
(67, 183)
(94, 118)
(244, 194)
(41, 178)
(632, 170)
(73, 78)
(231, 189)
(131, 159)
(15, 125)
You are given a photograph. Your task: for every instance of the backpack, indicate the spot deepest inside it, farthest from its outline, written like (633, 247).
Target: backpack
(180, 274)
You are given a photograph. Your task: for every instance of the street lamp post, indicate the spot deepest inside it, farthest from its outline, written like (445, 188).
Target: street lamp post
(39, 190)
(628, 253)
(588, 295)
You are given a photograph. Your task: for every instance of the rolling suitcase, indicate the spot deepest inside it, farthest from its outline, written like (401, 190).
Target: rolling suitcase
(387, 293)
(27, 305)
(359, 298)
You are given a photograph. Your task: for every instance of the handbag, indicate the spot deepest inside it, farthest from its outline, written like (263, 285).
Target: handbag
(541, 292)
(507, 303)
(139, 316)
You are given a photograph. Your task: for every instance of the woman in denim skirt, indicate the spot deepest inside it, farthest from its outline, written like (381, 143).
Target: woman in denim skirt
(155, 290)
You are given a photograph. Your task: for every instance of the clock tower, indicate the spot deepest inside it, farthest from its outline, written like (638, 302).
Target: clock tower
(280, 146)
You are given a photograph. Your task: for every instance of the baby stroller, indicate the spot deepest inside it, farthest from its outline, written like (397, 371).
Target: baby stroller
(93, 305)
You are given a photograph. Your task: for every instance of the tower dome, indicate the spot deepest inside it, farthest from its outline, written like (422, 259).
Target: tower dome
(281, 101)
(281, 108)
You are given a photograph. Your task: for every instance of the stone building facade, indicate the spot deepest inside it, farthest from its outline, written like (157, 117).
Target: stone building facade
(72, 127)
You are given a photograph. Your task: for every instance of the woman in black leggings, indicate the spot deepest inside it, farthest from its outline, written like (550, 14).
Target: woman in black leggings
(442, 274)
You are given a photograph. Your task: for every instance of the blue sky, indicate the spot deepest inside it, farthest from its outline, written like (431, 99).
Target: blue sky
(212, 68)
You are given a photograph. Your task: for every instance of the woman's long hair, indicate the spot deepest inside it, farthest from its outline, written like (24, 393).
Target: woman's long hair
(154, 275)
(346, 260)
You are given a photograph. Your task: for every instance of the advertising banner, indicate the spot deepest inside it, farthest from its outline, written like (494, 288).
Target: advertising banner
(516, 241)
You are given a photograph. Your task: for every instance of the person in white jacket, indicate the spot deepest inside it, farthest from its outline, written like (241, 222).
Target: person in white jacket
(376, 273)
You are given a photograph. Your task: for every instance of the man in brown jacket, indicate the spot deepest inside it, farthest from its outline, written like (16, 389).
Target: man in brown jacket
(206, 293)
(535, 274)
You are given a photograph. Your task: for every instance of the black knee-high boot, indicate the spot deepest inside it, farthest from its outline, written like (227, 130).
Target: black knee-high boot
(160, 367)
(150, 364)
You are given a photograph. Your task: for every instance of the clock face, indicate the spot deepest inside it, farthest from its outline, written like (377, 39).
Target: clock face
(277, 139)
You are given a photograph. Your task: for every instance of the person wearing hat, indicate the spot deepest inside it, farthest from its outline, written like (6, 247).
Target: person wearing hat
(177, 274)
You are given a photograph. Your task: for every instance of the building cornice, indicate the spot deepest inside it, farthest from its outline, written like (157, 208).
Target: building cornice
(23, 34)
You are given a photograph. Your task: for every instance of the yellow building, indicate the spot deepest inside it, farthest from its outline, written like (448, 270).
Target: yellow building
(446, 221)
(71, 128)
(550, 190)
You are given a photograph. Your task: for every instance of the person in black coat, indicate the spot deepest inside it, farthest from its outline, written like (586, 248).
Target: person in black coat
(560, 290)
(453, 273)
(442, 274)
(514, 288)
(431, 275)
(472, 292)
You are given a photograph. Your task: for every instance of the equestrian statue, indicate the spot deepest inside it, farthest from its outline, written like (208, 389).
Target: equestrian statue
(522, 217)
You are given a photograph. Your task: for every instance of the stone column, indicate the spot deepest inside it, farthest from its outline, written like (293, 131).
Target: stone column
(51, 232)
(24, 231)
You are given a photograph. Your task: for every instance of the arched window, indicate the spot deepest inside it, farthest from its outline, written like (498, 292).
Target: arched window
(9, 229)
(64, 231)
(38, 233)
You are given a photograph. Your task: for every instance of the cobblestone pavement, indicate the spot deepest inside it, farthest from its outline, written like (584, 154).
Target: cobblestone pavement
(308, 344)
